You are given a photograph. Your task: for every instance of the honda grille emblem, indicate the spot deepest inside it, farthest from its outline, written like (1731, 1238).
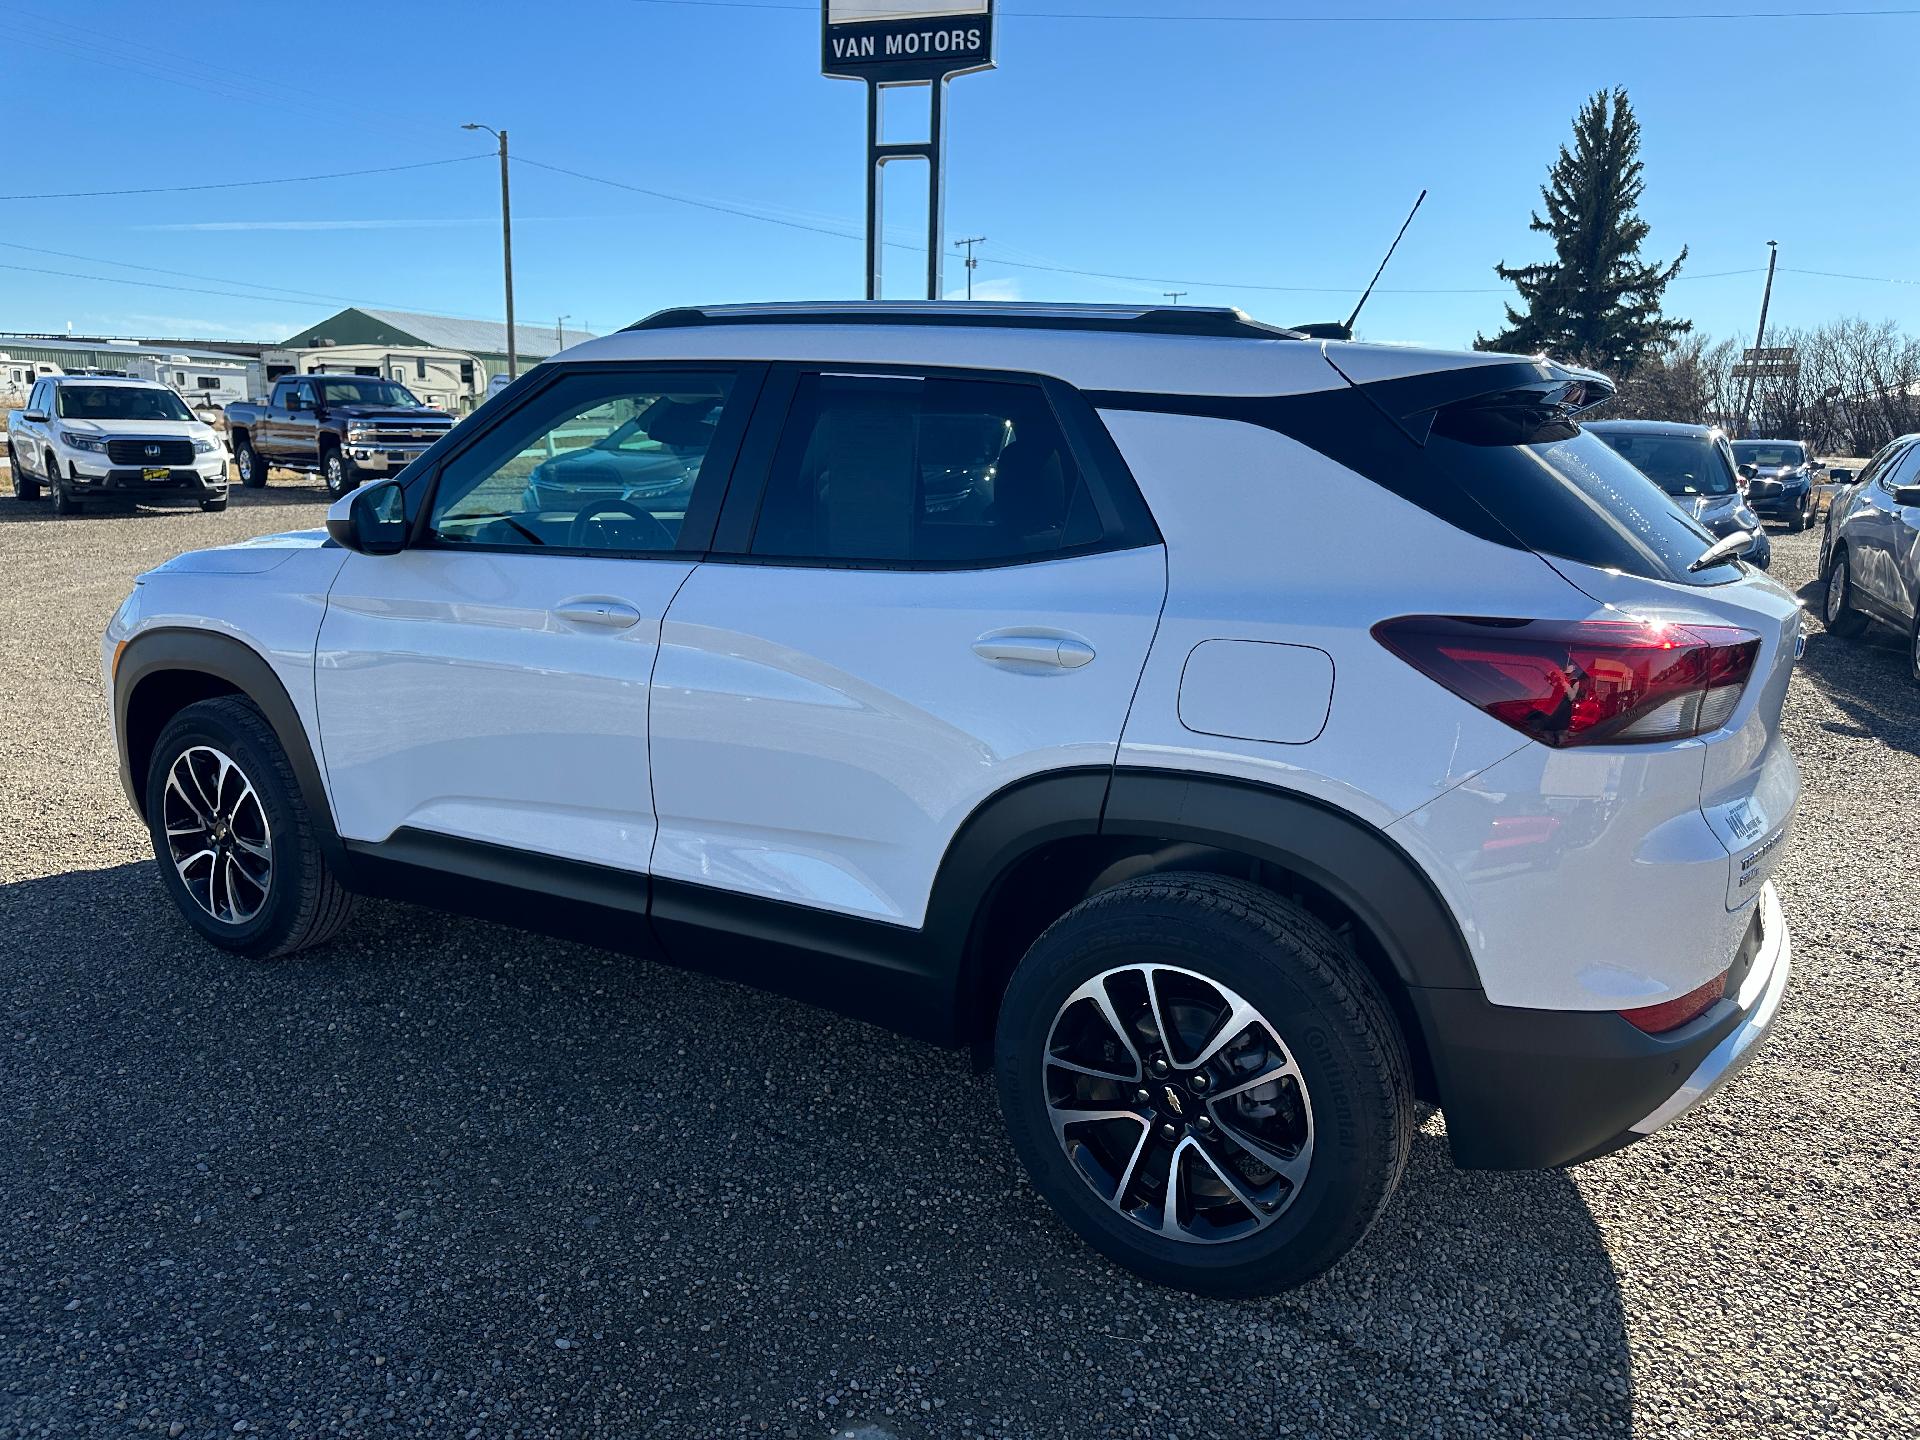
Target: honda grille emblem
(153, 452)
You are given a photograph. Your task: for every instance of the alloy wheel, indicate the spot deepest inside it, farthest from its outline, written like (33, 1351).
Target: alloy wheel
(1836, 599)
(1177, 1103)
(217, 835)
(336, 474)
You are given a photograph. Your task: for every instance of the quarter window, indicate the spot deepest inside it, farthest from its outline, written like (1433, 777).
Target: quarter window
(598, 462)
(931, 473)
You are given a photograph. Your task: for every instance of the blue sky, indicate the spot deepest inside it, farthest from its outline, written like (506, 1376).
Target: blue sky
(1222, 154)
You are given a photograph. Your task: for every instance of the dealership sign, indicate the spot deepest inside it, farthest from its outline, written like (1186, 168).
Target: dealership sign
(902, 42)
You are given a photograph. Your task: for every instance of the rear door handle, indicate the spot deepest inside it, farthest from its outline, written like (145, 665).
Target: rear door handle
(1004, 648)
(609, 614)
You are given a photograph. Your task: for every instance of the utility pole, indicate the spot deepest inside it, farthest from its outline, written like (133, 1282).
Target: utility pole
(560, 333)
(1176, 296)
(972, 264)
(506, 248)
(1760, 338)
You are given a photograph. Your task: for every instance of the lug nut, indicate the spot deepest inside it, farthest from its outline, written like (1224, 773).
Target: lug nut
(1198, 1084)
(1158, 1065)
(1203, 1125)
(1167, 1132)
(1141, 1097)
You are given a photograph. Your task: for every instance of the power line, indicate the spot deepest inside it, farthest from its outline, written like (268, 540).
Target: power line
(246, 184)
(1538, 18)
(1839, 275)
(724, 209)
(200, 290)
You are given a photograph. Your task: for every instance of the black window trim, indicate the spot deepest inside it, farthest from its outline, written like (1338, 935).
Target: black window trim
(1884, 478)
(421, 480)
(1125, 520)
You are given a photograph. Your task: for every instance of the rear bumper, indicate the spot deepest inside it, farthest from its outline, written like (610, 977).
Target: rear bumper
(1539, 1089)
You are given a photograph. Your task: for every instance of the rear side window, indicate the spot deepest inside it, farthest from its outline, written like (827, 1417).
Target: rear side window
(922, 472)
(1682, 465)
(1578, 499)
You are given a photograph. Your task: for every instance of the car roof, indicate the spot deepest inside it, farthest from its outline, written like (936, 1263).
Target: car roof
(1676, 428)
(1115, 348)
(106, 380)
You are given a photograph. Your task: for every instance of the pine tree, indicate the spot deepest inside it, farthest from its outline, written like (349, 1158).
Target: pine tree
(1595, 302)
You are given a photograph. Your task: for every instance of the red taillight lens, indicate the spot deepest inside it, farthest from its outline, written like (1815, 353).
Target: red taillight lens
(1672, 1014)
(1583, 682)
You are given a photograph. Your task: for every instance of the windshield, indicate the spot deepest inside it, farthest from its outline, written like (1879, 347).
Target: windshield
(118, 402)
(370, 392)
(1681, 465)
(1769, 454)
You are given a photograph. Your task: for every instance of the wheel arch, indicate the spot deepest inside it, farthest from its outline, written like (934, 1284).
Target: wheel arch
(1032, 852)
(162, 671)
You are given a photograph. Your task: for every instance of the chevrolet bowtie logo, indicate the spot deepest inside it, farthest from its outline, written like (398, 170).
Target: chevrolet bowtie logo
(1173, 1101)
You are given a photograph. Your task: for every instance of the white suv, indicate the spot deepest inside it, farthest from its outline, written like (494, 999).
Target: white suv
(1234, 736)
(110, 438)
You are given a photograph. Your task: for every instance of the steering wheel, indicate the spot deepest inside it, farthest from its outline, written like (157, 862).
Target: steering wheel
(647, 531)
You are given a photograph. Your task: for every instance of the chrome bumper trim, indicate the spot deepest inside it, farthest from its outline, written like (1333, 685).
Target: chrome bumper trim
(1760, 997)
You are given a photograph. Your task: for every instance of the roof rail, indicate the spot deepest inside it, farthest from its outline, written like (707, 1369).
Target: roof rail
(1216, 322)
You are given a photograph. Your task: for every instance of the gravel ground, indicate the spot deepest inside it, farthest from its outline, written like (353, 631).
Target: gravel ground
(444, 1178)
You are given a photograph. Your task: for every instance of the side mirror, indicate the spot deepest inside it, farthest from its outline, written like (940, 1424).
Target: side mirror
(1840, 477)
(38, 417)
(1750, 472)
(373, 520)
(1906, 495)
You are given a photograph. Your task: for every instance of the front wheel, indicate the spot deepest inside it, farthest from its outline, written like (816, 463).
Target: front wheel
(237, 849)
(1837, 609)
(63, 501)
(338, 473)
(1204, 1084)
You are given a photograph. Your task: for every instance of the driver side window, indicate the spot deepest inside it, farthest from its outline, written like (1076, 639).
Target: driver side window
(599, 462)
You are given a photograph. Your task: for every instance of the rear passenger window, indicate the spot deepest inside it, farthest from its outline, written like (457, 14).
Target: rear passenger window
(930, 473)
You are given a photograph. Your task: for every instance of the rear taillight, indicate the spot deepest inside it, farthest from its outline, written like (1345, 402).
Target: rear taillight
(1672, 1014)
(1583, 682)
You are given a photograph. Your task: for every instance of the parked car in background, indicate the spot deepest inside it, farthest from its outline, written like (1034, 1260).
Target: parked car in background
(1779, 475)
(983, 683)
(344, 428)
(1870, 550)
(1694, 464)
(1829, 483)
(94, 438)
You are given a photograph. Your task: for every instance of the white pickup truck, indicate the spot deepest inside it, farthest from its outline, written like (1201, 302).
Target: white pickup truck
(98, 438)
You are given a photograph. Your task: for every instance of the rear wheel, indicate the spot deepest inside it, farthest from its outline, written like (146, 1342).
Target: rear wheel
(237, 849)
(1203, 1084)
(1837, 609)
(1913, 649)
(23, 488)
(248, 464)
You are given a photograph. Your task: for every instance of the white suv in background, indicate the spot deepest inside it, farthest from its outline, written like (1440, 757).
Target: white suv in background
(1233, 736)
(110, 438)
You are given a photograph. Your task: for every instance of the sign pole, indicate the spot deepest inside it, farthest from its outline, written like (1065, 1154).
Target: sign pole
(899, 43)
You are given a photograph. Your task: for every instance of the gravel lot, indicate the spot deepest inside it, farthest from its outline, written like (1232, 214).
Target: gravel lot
(444, 1178)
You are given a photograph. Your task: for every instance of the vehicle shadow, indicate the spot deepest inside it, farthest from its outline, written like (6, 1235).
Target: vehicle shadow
(1865, 675)
(296, 491)
(451, 1146)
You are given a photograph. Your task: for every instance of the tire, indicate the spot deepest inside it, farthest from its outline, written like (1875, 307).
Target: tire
(23, 488)
(1344, 1112)
(337, 472)
(247, 464)
(63, 501)
(1913, 650)
(265, 869)
(1836, 610)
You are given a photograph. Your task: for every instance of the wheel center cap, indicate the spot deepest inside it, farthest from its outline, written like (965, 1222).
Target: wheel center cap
(1172, 1098)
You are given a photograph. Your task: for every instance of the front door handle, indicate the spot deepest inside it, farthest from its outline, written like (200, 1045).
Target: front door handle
(1004, 648)
(609, 614)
